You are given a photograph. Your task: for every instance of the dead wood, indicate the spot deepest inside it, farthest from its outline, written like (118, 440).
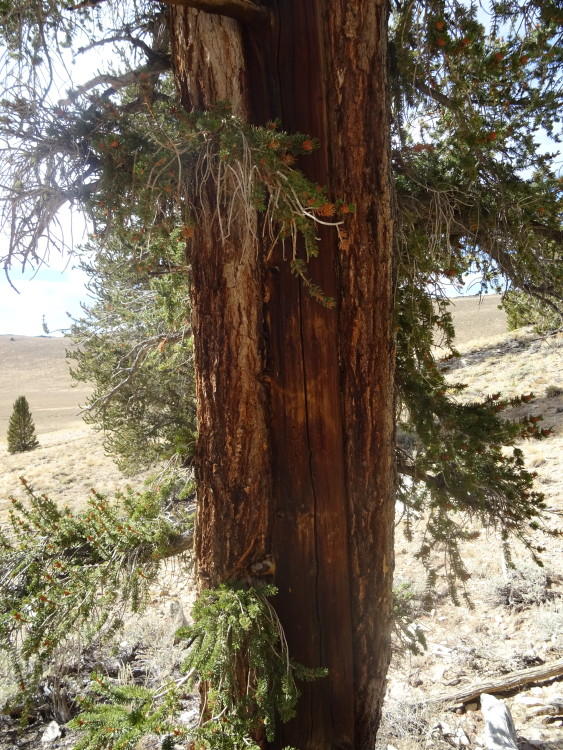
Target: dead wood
(502, 684)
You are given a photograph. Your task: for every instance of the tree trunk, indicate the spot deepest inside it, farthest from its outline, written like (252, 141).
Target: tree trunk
(295, 401)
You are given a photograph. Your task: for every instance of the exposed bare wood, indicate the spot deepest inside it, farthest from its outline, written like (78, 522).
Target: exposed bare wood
(502, 684)
(178, 544)
(243, 10)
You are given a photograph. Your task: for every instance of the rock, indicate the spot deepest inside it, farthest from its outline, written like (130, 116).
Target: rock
(52, 733)
(148, 742)
(441, 728)
(528, 700)
(551, 709)
(439, 649)
(500, 733)
(462, 739)
(190, 716)
(471, 707)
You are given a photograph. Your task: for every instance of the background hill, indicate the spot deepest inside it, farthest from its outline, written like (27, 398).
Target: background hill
(35, 367)
(71, 458)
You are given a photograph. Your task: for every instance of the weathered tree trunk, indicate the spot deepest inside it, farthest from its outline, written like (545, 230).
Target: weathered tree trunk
(295, 402)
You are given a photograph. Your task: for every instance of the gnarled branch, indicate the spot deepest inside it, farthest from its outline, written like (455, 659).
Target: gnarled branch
(502, 684)
(117, 82)
(243, 10)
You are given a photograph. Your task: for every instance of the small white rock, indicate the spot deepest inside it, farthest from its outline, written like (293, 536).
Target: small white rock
(461, 738)
(528, 700)
(189, 716)
(52, 733)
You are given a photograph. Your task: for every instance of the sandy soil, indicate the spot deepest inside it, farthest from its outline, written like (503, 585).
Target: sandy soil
(477, 318)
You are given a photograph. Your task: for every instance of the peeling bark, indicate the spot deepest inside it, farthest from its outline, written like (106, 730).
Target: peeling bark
(295, 402)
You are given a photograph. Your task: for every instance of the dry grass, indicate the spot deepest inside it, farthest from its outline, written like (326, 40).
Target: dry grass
(477, 318)
(35, 367)
(516, 363)
(70, 460)
(499, 634)
(66, 466)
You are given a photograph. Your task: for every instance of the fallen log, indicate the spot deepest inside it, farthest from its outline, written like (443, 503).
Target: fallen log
(502, 684)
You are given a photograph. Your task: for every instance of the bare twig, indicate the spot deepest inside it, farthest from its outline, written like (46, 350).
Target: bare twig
(118, 82)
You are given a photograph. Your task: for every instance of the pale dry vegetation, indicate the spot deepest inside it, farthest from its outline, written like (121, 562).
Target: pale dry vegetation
(70, 460)
(512, 625)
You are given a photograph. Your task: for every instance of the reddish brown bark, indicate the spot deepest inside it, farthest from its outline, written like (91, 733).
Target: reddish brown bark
(296, 401)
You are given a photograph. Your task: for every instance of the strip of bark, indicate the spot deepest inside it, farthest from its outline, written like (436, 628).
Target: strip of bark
(503, 684)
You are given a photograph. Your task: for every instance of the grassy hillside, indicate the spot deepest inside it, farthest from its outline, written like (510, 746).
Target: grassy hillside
(477, 318)
(35, 367)
(70, 459)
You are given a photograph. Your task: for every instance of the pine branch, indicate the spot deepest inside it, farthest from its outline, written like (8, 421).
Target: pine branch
(153, 56)
(433, 93)
(138, 353)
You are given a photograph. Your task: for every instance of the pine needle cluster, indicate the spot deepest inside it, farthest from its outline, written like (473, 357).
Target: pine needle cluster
(238, 649)
(67, 573)
(521, 310)
(238, 653)
(118, 716)
(458, 460)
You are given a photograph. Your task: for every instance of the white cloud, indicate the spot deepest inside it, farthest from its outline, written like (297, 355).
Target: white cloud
(51, 293)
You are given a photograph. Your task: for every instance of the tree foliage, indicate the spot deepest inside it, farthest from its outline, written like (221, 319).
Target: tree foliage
(67, 573)
(21, 430)
(523, 310)
(134, 344)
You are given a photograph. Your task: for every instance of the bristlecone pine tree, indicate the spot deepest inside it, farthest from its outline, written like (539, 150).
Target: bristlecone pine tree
(307, 172)
(21, 430)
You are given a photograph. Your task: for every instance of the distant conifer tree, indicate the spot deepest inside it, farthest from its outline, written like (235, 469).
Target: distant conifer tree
(21, 430)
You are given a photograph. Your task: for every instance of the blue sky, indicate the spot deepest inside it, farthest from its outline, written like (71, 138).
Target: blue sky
(54, 289)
